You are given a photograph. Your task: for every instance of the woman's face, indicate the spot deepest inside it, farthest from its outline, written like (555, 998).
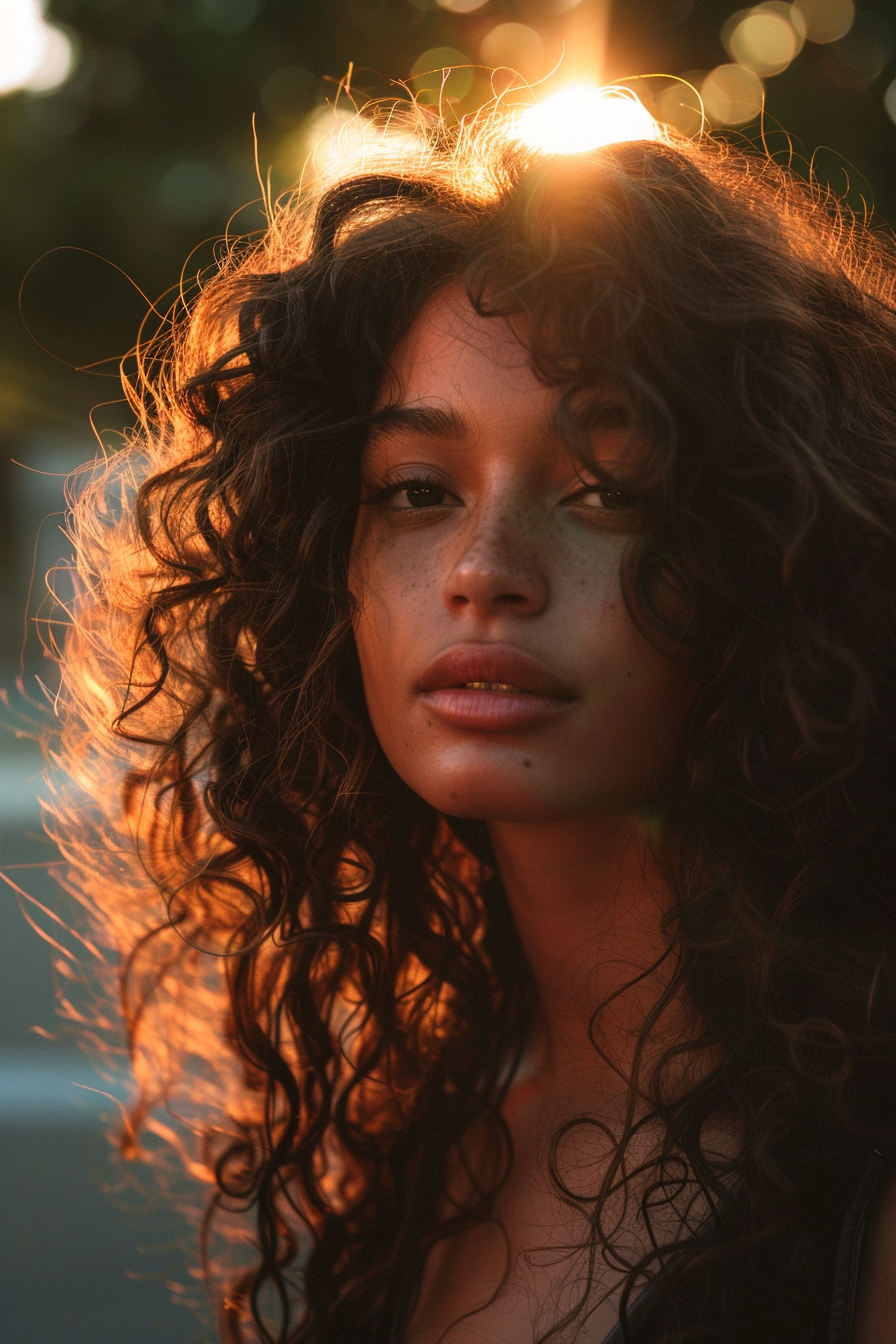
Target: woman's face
(504, 676)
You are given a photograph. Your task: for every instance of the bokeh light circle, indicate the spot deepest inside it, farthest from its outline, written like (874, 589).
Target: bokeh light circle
(190, 192)
(679, 104)
(890, 101)
(287, 93)
(23, 43)
(57, 64)
(867, 48)
(765, 41)
(516, 46)
(732, 95)
(461, 6)
(441, 72)
(826, 20)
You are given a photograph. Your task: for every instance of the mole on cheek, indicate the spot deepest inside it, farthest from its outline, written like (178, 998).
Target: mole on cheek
(527, 764)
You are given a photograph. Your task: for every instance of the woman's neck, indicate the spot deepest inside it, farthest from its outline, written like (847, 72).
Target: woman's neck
(588, 902)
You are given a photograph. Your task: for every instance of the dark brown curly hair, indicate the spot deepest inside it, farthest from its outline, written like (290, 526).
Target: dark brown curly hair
(318, 971)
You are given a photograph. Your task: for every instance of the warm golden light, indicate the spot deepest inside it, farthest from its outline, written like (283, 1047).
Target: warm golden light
(582, 118)
(335, 143)
(34, 54)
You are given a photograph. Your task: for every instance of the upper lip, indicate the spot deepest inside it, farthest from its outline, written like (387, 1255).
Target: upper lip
(499, 663)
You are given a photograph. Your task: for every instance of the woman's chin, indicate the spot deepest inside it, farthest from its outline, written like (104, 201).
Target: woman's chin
(511, 810)
(495, 797)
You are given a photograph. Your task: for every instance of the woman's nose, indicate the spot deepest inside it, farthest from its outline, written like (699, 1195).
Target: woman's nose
(501, 568)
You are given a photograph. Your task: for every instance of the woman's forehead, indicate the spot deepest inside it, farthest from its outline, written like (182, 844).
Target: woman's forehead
(449, 341)
(477, 371)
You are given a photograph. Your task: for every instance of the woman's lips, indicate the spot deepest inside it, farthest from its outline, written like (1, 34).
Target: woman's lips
(492, 711)
(493, 688)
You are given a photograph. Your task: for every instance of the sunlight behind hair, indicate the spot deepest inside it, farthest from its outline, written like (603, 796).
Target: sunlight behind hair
(585, 117)
(336, 143)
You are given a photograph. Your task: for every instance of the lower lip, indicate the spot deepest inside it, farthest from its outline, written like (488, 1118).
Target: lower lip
(492, 711)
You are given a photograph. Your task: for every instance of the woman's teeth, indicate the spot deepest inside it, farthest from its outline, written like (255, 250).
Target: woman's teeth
(490, 686)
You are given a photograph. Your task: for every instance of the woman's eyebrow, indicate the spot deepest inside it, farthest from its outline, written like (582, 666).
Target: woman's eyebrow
(417, 418)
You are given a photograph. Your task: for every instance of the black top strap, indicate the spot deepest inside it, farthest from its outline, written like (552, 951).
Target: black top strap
(639, 1318)
(642, 1313)
(849, 1250)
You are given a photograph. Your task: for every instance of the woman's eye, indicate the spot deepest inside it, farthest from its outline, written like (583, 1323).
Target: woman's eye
(418, 494)
(413, 494)
(614, 501)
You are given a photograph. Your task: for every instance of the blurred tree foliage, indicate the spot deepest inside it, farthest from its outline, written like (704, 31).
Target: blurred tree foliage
(147, 150)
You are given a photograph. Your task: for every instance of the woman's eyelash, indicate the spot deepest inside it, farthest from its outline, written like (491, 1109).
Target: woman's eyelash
(419, 485)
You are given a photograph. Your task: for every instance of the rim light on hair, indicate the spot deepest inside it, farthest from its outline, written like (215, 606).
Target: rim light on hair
(585, 117)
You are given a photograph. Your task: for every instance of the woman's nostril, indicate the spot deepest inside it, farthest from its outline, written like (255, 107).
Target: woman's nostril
(481, 595)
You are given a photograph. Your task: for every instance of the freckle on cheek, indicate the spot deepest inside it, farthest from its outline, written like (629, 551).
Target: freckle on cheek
(527, 764)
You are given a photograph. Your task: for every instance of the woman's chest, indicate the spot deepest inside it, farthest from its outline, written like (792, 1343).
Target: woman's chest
(534, 1265)
(510, 1280)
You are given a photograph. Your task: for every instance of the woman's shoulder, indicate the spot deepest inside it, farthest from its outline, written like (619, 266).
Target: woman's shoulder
(875, 1278)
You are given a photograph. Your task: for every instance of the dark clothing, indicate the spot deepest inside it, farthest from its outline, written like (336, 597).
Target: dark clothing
(644, 1316)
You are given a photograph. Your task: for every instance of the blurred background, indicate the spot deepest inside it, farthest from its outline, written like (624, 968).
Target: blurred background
(132, 133)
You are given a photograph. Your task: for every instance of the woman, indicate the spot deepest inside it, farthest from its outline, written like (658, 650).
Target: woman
(501, 635)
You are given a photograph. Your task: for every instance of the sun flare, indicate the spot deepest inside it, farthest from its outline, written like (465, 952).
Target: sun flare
(585, 117)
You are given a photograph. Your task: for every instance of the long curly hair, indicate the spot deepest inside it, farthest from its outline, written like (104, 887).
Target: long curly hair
(318, 971)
